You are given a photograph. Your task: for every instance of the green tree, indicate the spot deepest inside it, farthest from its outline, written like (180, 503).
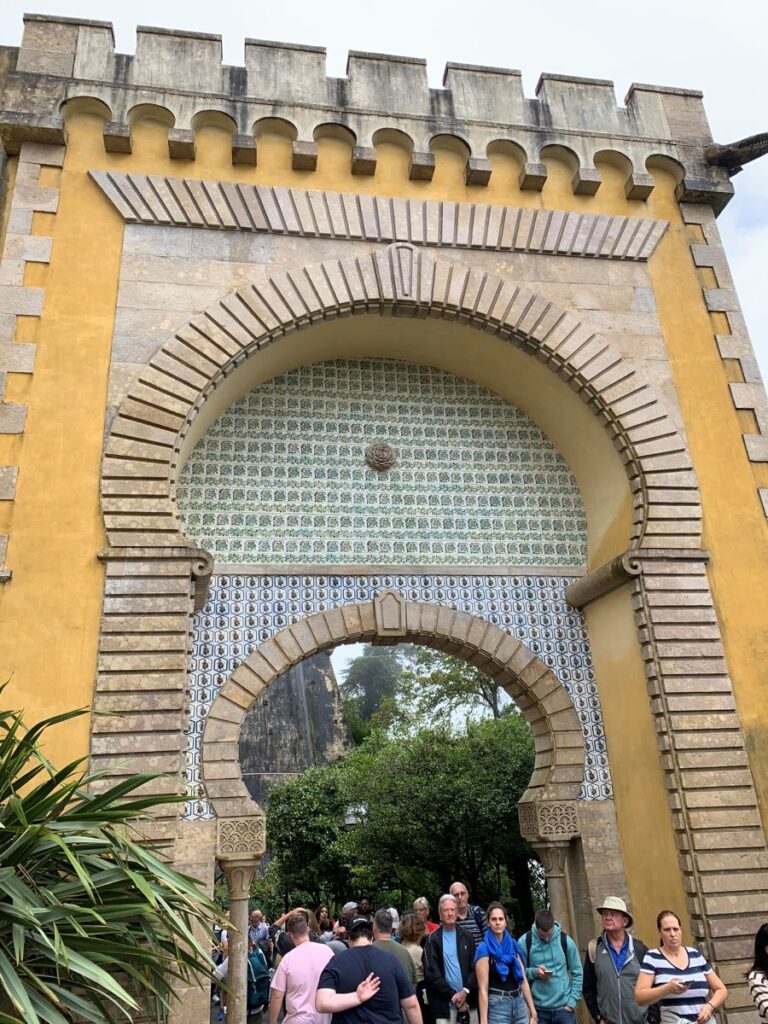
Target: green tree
(93, 924)
(305, 828)
(435, 686)
(442, 806)
(369, 681)
(431, 807)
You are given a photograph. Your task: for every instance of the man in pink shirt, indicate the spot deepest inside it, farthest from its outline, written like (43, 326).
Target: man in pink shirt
(296, 977)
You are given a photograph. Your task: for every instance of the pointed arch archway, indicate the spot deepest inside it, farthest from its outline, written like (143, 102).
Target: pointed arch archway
(548, 810)
(146, 439)
(559, 765)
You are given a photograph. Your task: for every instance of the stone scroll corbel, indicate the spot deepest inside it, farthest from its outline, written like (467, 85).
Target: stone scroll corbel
(604, 579)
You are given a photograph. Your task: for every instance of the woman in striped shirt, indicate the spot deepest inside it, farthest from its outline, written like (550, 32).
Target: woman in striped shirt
(758, 976)
(678, 978)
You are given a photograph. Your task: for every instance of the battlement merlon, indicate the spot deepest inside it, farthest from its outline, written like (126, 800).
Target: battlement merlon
(61, 59)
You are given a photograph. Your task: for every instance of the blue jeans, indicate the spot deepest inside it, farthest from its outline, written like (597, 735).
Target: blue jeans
(507, 1009)
(556, 1016)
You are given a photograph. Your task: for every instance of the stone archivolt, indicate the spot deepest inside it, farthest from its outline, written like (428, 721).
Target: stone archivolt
(148, 433)
(559, 764)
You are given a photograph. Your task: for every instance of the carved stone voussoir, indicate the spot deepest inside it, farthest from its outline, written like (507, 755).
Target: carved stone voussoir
(549, 820)
(241, 838)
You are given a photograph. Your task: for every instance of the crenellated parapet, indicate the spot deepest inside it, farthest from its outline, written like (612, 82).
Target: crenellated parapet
(480, 109)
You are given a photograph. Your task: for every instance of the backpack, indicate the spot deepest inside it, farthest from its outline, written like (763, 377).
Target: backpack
(563, 943)
(258, 982)
(653, 1012)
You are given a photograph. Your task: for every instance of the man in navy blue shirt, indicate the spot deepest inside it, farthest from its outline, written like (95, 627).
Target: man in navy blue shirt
(365, 985)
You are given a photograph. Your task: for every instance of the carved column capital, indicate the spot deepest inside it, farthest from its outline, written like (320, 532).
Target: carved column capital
(549, 821)
(553, 857)
(239, 875)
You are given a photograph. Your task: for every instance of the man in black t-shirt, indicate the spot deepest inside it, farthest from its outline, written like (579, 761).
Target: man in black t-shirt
(365, 985)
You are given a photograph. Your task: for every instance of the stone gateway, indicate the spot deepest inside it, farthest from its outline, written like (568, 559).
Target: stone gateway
(289, 361)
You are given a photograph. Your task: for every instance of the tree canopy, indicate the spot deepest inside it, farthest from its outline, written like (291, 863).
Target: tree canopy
(430, 808)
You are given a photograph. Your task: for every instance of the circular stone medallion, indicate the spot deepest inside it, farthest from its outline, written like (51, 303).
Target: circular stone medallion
(379, 456)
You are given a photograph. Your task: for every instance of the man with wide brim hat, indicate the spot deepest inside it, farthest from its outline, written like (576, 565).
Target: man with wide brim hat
(616, 904)
(611, 967)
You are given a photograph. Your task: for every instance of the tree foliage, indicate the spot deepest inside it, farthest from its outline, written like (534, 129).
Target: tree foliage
(438, 806)
(93, 924)
(436, 686)
(305, 825)
(370, 682)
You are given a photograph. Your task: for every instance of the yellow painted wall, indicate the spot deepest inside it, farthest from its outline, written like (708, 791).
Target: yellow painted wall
(644, 819)
(735, 527)
(57, 585)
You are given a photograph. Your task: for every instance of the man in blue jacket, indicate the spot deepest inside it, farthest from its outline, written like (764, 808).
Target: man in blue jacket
(553, 969)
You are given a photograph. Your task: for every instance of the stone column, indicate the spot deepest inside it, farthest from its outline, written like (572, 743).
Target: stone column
(549, 826)
(241, 845)
(553, 857)
(239, 875)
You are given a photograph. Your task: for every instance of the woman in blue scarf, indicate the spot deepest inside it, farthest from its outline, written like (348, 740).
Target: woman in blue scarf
(503, 991)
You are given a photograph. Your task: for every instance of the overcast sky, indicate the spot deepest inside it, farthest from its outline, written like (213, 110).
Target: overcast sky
(717, 47)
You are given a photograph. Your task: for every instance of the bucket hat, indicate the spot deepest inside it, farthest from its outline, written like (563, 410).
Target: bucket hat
(616, 903)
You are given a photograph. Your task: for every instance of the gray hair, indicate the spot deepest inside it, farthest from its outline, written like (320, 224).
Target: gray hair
(421, 901)
(382, 922)
(442, 900)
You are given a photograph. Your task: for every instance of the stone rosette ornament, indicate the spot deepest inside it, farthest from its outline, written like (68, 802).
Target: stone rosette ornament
(379, 456)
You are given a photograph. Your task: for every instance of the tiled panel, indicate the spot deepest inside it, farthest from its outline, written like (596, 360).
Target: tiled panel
(281, 478)
(244, 611)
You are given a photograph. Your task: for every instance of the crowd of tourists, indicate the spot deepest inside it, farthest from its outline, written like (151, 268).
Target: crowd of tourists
(391, 968)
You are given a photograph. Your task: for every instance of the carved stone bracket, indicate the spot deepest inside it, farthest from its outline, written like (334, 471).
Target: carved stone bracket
(603, 580)
(201, 563)
(550, 821)
(241, 838)
(621, 570)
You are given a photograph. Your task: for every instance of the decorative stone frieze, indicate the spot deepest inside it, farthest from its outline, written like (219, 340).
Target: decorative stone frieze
(227, 206)
(17, 299)
(241, 838)
(548, 820)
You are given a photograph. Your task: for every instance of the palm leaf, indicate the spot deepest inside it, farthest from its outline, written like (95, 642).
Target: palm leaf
(93, 922)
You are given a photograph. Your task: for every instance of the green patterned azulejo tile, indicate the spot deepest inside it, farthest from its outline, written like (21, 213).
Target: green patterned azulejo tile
(282, 478)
